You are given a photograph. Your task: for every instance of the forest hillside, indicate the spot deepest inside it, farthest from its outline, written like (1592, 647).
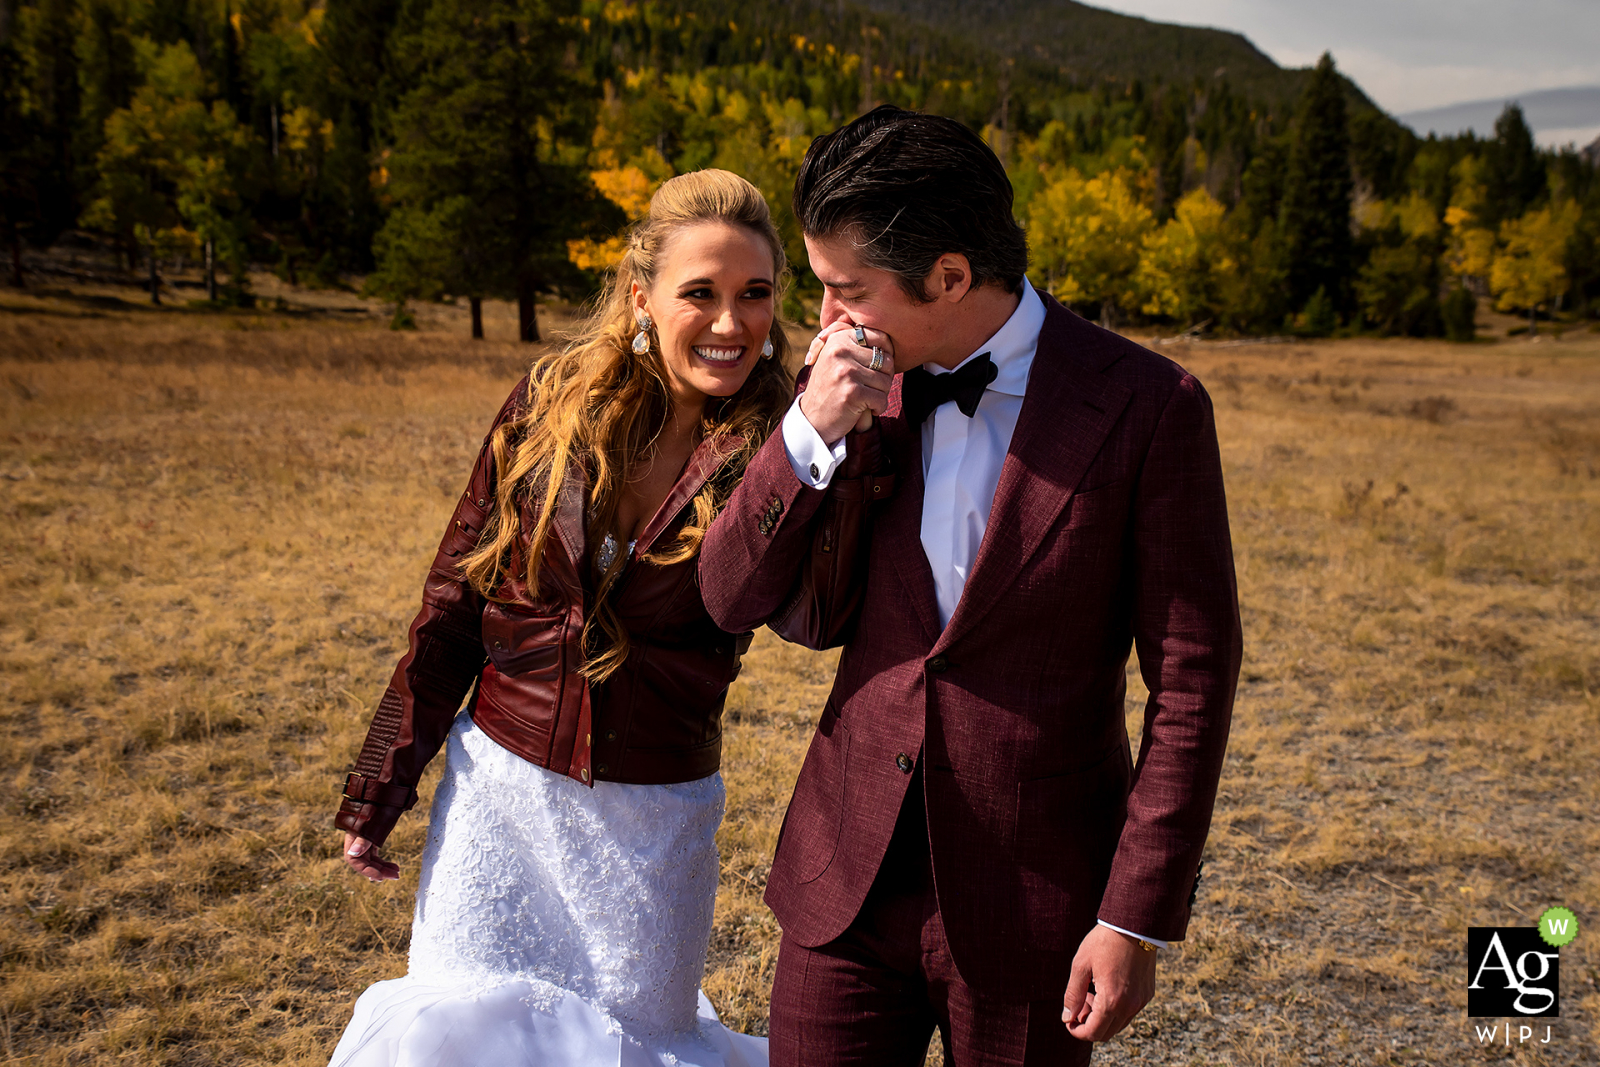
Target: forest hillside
(463, 150)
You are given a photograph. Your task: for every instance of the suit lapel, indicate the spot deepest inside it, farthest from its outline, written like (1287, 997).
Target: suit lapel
(1067, 412)
(899, 525)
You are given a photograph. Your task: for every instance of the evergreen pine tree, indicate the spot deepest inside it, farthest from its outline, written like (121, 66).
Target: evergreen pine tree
(356, 91)
(1514, 175)
(1261, 186)
(108, 73)
(56, 96)
(39, 105)
(20, 160)
(479, 158)
(1316, 195)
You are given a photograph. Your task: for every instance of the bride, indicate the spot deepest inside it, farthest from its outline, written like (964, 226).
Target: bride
(570, 870)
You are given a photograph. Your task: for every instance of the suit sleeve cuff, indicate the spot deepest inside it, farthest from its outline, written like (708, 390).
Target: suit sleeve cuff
(812, 459)
(1137, 937)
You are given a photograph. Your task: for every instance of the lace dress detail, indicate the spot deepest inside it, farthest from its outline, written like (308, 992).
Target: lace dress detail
(555, 924)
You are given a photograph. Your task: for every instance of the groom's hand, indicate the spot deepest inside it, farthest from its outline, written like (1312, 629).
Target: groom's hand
(844, 391)
(1112, 979)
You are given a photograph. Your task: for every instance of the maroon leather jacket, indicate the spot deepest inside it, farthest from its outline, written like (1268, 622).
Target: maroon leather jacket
(657, 719)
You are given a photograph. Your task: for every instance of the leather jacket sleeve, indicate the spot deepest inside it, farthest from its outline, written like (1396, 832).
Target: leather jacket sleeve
(821, 611)
(443, 660)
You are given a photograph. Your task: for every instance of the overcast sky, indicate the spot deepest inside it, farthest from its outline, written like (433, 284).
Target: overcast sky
(1413, 54)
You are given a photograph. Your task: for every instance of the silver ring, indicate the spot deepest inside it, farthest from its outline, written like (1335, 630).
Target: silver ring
(877, 359)
(861, 335)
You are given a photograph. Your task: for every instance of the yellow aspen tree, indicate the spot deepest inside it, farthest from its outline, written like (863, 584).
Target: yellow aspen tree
(1087, 236)
(1470, 250)
(1530, 269)
(629, 187)
(1183, 263)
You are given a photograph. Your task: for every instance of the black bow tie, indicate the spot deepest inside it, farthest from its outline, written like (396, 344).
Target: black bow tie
(921, 392)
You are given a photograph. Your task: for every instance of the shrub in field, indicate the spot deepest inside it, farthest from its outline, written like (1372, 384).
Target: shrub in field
(1398, 289)
(1319, 318)
(1459, 312)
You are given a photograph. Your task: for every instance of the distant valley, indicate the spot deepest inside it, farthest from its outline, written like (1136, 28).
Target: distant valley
(1557, 116)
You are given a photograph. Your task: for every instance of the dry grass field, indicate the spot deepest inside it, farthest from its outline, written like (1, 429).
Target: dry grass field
(215, 526)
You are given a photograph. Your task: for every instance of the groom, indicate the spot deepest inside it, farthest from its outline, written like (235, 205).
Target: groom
(970, 845)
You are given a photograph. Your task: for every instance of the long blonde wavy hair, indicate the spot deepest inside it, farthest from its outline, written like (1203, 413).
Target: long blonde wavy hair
(597, 404)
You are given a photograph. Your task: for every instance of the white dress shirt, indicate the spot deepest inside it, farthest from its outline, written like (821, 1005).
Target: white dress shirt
(961, 460)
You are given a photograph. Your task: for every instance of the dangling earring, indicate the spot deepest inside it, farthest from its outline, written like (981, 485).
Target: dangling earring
(766, 349)
(641, 340)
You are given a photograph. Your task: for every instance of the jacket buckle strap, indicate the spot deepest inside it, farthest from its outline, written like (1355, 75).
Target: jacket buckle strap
(389, 794)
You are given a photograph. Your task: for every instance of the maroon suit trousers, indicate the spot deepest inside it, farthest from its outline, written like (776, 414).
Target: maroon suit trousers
(873, 996)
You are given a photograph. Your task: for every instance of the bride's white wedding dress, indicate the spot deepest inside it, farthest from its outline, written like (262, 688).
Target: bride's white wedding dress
(556, 926)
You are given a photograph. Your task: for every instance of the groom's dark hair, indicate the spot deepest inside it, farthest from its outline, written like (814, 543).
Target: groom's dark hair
(907, 188)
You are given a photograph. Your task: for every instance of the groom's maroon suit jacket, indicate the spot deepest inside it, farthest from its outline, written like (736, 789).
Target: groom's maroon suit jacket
(1108, 530)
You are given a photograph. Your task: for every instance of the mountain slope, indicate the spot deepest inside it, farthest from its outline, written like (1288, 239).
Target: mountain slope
(1089, 43)
(1548, 111)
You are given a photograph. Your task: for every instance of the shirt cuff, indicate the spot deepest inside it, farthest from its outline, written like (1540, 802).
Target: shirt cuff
(813, 461)
(1130, 933)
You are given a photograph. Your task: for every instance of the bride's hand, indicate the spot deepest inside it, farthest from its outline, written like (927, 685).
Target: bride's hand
(362, 856)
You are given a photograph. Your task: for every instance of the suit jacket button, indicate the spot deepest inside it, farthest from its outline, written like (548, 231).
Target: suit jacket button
(611, 735)
(601, 769)
(815, 474)
(938, 664)
(903, 761)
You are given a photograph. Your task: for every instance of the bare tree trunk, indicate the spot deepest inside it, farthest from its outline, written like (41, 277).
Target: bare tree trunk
(155, 281)
(16, 257)
(527, 308)
(477, 317)
(211, 273)
(1003, 148)
(866, 69)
